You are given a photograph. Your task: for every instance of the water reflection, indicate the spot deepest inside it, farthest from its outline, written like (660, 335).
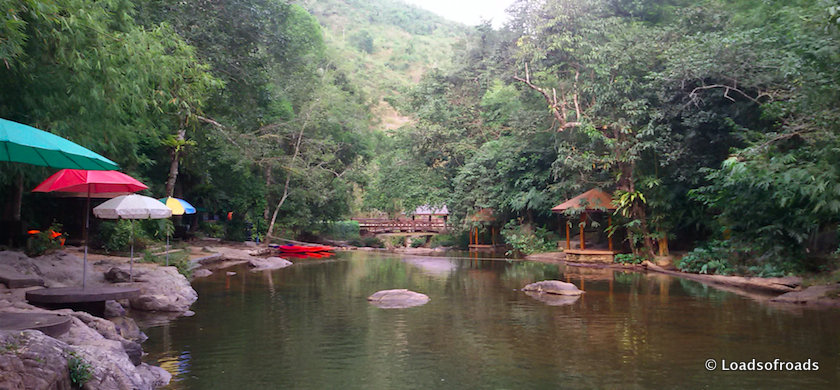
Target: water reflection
(310, 326)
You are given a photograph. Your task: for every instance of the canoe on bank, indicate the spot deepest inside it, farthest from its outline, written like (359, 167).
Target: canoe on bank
(288, 248)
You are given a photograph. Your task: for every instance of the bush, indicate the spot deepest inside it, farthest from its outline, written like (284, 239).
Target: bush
(372, 242)
(80, 370)
(46, 241)
(237, 230)
(418, 242)
(725, 257)
(711, 258)
(212, 229)
(526, 241)
(454, 240)
(629, 258)
(115, 236)
(342, 230)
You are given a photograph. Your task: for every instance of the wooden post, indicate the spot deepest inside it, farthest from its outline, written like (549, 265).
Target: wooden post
(568, 239)
(493, 235)
(609, 237)
(582, 237)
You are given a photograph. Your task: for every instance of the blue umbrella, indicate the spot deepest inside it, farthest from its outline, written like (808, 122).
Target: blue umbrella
(178, 207)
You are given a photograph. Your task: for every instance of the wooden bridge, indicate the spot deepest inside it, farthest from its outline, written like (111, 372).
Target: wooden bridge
(399, 225)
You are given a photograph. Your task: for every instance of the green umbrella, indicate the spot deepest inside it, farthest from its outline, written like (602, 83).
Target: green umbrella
(25, 144)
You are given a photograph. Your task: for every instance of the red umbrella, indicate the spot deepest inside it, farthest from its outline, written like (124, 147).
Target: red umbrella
(94, 182)
(84, 183)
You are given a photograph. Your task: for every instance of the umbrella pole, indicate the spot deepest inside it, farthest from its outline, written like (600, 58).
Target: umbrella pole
(131, 261)
(84, 237)
(167, 249)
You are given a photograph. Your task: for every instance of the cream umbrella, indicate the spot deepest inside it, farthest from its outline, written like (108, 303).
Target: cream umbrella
(132, 207)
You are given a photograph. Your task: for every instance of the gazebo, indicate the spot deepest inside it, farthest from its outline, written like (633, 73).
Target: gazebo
(588, 202)
(483, 217)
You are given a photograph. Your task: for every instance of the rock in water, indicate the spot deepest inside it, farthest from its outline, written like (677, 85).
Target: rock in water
(553, 287)
(163, 289)
(553, 299)
(268, 263)
(397, 299)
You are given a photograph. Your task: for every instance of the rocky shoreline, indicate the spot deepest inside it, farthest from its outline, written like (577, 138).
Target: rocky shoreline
(110, 346)
(786, 290)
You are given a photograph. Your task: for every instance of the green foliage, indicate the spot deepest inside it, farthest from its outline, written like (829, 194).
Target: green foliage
(178, 259)
(629, 258)
(712, 258)
(80, 370)
(236, 230)
(418, 242)
(45, 241)
(527, 241)
(372, 242)
(212, 229)
(116, 236)
(451, 240)
(342, 230)
(363, 41)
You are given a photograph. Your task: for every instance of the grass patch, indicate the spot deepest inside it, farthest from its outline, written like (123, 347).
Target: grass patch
(179, 259)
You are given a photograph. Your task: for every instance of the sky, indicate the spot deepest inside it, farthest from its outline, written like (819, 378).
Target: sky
(469, 12)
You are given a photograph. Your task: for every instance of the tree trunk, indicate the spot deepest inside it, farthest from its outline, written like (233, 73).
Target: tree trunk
(268, 234)
(173, 164)
(267, 209)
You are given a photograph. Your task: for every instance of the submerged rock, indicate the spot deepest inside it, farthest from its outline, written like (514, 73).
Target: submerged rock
(268, 263)
(553, 299)
(553, 287)
(202, 273)
(397, 299)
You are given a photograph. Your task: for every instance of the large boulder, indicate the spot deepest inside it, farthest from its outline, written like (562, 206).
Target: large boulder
(31, 360)
(162, 289)
(397, 299)
(553, 287)
(98, 343)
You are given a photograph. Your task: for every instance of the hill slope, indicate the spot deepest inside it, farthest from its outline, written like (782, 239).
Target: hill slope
(385, 46)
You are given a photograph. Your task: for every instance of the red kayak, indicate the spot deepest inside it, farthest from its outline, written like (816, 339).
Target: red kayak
(307, 255)
(303, 249)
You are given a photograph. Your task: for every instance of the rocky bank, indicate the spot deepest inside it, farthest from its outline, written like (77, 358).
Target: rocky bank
(111, 347)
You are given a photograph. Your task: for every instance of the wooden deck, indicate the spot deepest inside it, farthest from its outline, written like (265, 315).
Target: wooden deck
(399, 225)
(590, 255)
(88, 299)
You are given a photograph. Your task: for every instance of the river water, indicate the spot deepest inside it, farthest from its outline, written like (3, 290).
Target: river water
(309, 326)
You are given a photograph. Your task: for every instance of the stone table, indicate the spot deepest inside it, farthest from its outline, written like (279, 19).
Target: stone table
(87, 299)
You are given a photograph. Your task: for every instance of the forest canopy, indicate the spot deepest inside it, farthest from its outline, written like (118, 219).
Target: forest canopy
(713, 124)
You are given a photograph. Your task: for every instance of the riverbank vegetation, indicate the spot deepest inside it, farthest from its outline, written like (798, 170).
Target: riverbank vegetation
(714, 124)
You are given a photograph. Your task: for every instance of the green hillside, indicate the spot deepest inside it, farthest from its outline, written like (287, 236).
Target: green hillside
(385, 46)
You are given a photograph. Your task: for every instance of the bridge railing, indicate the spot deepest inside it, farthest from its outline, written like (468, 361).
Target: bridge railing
(384, 225)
